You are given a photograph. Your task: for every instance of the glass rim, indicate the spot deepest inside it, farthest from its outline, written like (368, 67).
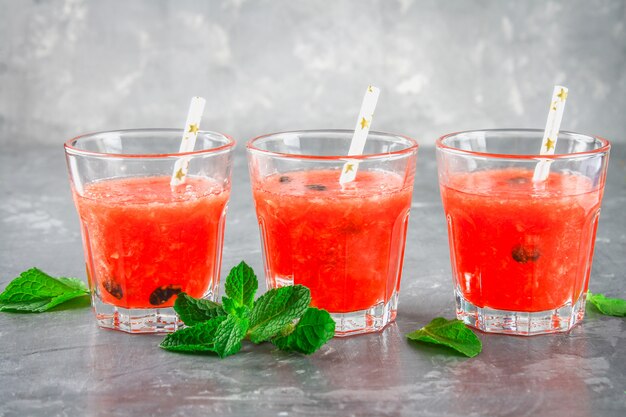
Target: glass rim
(252, 148)
(439, 143)
(71, 148)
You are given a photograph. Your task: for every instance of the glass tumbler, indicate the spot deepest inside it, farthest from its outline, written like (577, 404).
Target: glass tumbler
(344, 242)
(145, 240)
(521, 247)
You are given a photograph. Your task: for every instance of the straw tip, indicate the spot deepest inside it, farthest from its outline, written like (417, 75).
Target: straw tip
(559, 95)
(373, 89)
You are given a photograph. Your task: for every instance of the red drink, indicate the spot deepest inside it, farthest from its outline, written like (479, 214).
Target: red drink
(518, 246)
(146, 243)
(346, 245)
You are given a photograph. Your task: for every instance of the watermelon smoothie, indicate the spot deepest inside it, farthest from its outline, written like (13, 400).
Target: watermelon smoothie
(148, 242)
(346, 245)
(517, 246)
(521, 249)
(345, 242)
(152, 221)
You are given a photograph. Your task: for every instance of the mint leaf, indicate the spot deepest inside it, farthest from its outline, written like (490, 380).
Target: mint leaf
(34, 291)
(451, 333)
(229, 335)
(241, 285)
(229, 305)
(196, 310)
(315, 328)
(275, 309)
(74, 283)
(231, 308)
(198, 338)
(608, 306)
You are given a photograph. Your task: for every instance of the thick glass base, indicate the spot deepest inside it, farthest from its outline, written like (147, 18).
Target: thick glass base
(489, 320)
(373, 319)
(136, 320)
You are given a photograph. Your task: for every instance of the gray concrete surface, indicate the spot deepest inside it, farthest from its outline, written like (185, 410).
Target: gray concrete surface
(73, 66)
(61, 364)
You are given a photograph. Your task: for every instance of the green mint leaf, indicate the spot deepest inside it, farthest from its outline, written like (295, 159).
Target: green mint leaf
(198, 338)
(241, 285)
(608, 306)
(451, 333)
(231, 308)
(74, 283)
(229, 305)
(286, 331)
(276, 309)
(242, 312)
(196, 310)
(315, 328)
(34, 284)
(229, 335)
(34, 291)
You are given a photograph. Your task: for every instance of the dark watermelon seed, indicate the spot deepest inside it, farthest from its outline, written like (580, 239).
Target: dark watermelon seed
(524, 254)
(316, 187)
(114, 289)
(164, 293)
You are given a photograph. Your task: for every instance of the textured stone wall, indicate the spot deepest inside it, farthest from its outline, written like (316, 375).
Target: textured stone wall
(73, 66)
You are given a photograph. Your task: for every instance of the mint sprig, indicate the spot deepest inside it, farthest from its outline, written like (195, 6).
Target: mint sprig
(451, 333)
(34, 291)
(608, 306)
(281, 316)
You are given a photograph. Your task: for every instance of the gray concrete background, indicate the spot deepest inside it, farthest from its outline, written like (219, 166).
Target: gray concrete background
(73, 66)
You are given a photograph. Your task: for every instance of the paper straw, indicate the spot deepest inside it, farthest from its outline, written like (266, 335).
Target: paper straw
(551, 133)
(361, 130)
(188, 142)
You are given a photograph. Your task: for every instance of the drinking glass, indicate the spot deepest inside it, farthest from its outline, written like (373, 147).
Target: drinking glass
(344, 242)
(521, 249)
(145, 240)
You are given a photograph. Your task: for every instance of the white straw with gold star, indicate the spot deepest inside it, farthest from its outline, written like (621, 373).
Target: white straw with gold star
(551, 133)
(363, 123)
(188, 142)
